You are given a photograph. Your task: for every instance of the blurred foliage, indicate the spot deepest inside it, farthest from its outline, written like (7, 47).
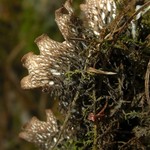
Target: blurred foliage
(21, 21)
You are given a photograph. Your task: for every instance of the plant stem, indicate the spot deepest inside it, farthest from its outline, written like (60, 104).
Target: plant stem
(95, 124)
(66, 119)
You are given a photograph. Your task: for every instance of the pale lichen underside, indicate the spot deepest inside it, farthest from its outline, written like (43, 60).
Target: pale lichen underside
(47, 67)
(40, 132)
(99, 13)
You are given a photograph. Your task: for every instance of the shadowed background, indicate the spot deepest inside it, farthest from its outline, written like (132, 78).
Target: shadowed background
(21, 21)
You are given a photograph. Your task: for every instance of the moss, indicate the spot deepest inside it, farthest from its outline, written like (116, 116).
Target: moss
(102, 110)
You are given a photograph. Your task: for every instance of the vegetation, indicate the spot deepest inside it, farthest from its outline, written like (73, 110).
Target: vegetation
(99, 76)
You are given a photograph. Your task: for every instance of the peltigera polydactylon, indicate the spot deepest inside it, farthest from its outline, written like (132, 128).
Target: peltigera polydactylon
(94, 73)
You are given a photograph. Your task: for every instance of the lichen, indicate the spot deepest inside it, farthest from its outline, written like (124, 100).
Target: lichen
(98, 74)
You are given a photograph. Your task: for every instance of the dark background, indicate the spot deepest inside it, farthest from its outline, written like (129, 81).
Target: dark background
(21, 21)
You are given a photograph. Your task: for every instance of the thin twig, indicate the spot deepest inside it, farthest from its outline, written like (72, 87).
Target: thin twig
(98, 71)
(120, 30)
(14, 53)
(95, 124)
(66, 120)
(147, 83)
(137, 12)
(125, 25)
(130, 141)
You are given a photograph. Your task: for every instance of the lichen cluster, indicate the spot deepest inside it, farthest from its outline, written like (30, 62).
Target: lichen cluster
(100, 74)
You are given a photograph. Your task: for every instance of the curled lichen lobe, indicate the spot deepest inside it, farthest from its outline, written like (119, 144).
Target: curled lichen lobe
(41, 133)
(55, 58)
